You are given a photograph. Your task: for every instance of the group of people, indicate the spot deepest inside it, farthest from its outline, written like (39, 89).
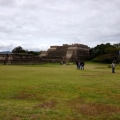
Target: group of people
(80, 65)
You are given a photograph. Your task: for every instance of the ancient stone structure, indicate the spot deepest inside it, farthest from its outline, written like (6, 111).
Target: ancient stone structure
(19, 58)
(66, 53)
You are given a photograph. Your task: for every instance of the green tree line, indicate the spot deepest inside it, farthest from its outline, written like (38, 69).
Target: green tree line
(19, 49)
(105, 53)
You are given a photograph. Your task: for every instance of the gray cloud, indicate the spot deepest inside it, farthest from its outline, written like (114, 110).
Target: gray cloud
(39, 24)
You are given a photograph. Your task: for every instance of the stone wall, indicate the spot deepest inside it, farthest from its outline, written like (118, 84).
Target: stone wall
(19, 59)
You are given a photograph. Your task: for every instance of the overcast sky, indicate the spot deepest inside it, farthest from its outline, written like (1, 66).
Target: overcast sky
(38, 24)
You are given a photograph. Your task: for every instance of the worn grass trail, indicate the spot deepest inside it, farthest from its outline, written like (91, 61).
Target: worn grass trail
(59, 92)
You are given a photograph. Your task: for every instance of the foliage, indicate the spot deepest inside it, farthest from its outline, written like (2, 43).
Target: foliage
(19, 49)
(33, 53)
(117, 45)
(104, 53)
(107, 58)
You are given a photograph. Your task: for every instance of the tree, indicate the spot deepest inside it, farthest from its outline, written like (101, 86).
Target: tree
(33, 53)
(18, 49)
(104, 53)
(117, 45)
(99, 50)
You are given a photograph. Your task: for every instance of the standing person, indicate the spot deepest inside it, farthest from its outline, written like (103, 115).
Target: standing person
(113, 67)
(82, 65)
(77, 64)
(5, 61)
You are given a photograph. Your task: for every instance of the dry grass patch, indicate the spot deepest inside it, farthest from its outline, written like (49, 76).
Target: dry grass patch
(93, 109)
(24, 95)
(35, 117)
(47, 104)
(27, 95)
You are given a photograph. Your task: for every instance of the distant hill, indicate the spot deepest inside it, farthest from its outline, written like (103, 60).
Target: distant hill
(5, 52)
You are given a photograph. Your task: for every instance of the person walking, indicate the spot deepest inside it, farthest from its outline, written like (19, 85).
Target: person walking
(113, 67)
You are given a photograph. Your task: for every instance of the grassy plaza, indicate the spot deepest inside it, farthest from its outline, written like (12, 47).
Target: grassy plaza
(59, 92)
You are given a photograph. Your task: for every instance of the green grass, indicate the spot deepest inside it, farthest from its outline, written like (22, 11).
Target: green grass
(59, 92)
